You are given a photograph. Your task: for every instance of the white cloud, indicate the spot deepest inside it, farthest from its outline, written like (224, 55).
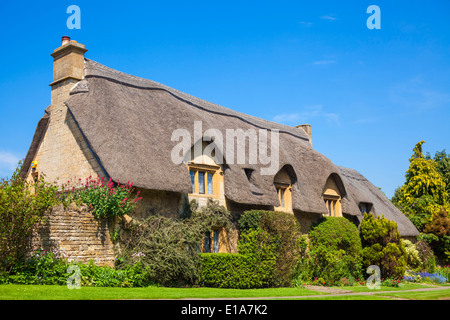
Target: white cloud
(329, 17)
(310, 112)
(8, 163)
(305, 24)
(324, 62)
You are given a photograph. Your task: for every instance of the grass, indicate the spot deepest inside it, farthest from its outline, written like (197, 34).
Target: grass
(422, 295)
(47, 292)
(404, 286)
(36, 292)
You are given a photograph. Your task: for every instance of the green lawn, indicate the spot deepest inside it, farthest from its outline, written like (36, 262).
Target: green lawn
(404, 286)
(42, 292)
(36, 292)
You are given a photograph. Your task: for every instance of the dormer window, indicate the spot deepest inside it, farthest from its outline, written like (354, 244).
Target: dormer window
(332, 198)
(283, 181)
(202, 179)
(205, 175)
(333, 205)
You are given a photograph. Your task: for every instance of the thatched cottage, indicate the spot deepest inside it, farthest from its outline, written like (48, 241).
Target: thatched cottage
(108, 123)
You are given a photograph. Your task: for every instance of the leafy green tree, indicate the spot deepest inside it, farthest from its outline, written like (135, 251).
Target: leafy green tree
(443, 166)
(424, 192)
(22, 206)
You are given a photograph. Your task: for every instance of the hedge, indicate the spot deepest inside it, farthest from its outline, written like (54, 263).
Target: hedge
(233, 270)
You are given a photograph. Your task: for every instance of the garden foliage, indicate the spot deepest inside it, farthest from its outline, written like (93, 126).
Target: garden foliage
(252, 267)
(284, 229)
(335, 252)
(22, 206)
(168, 248)
(105, 198)
(382, 246)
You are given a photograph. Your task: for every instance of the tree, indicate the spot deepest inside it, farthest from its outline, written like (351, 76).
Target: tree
(443, 167)
(438, 235)
(424, 192)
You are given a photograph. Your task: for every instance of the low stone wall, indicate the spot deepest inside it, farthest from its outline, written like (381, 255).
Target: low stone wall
(76, 234)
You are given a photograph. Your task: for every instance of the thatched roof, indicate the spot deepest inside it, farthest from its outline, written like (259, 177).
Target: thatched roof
(359, 189)
(128, 123)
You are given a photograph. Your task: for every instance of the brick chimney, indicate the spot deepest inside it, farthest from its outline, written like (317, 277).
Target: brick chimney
(68, 69)
(308, 131)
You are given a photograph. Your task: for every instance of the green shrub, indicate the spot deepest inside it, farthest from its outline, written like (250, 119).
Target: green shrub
(413, 261)
(252, 267)
(335, 250)
(250, 219)
(22, 206)
(426, 255)
(284, 230)
(168, 247)
(49, 268)
(382, 247)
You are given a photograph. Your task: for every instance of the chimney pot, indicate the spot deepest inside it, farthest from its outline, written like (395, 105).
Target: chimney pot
(65, 39)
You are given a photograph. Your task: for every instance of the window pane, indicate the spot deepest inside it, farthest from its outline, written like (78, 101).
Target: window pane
(210, 183)
(192, 173)
(216, 241)
(207, 248)
(201, 182)
(328, 207)
(282, 197)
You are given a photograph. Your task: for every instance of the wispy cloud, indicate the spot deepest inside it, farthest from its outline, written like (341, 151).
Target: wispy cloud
(309, 113)
(8, 163)
(306, 24)
(329, 17)
(324, 62)
(416, 93)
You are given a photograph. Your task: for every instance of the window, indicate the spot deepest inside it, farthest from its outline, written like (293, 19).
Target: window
(284, 197)
(210, 183)
(365, 207)
(201, 182)
(192, 173)
(216, 241)
(207, 243)
(203, 179)
(332, 197)
(283, 182)
(281, 196)
(211, 241)
(332, 206)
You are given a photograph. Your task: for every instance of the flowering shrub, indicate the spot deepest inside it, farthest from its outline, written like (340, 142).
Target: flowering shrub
(412, 276)
(444, 271)
(105, 198)
(391, 282)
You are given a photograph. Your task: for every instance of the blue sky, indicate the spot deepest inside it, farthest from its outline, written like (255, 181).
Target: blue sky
(369, 95)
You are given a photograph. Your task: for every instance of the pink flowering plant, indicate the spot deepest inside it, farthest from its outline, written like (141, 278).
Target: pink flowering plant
(106, 198)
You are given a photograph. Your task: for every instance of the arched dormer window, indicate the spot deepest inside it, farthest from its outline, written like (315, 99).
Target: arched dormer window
(205, 175)
(332, 196)
(283, 182)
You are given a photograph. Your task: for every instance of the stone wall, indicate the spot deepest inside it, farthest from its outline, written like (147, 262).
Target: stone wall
(76, 234)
